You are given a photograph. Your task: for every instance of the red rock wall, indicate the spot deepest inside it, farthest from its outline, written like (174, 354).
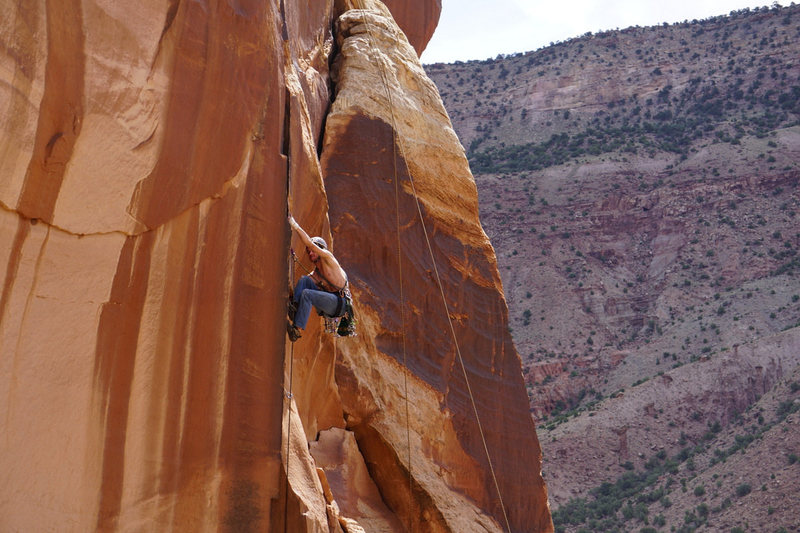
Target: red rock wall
(140, 374)
(418, 20)
(146, 155)
(370, 146)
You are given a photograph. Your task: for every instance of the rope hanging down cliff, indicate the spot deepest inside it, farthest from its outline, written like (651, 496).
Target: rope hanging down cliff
(398, 143)
(288, 401)
(400, 274)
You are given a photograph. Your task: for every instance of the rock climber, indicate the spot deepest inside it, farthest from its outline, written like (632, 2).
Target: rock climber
(325, 288)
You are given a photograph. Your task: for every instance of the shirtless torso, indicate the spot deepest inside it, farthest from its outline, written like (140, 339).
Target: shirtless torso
(321, 279)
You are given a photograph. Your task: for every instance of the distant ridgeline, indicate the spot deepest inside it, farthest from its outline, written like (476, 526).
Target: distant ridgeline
(669, 88)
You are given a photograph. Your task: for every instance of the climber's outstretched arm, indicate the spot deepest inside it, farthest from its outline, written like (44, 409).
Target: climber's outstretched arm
(307, 242)
(332, 270)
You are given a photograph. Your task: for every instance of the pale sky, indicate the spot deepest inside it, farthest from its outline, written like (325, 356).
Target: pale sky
(477, 29)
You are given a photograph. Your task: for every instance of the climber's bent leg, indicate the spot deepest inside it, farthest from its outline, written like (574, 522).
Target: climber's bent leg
(306, 295)
(326, 302)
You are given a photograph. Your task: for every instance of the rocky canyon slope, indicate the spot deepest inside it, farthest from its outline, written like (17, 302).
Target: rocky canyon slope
(641, 187)
(149, 155)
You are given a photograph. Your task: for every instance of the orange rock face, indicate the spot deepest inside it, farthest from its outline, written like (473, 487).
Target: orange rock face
(418, 20)
(140, 206)
(373, 209)
(148, 152)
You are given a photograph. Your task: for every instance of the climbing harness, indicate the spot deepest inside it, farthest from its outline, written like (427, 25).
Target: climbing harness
(398, 143)
(343, 321)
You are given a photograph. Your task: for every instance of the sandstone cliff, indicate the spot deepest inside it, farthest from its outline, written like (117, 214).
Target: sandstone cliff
(148, 152)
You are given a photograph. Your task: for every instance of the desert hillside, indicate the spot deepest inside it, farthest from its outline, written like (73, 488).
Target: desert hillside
(642, 190)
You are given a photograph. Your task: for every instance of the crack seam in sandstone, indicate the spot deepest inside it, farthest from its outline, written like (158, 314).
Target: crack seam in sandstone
(234, 182)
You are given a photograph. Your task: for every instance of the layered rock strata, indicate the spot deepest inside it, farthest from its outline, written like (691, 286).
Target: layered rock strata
(148, 153)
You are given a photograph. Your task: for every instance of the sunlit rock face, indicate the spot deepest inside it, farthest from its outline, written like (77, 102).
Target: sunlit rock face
(148, 156)
(387, 120)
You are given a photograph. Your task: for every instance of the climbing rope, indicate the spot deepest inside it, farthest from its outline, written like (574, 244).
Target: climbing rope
(296, 260)
(403, 325)
(289, 396)
(402, 316)
(398, 143)
(400, 283)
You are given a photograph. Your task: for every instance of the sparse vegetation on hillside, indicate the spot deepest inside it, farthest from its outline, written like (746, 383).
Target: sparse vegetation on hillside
(641, 188)
(715, 80)
(649, 497)
(690, 138)
(695, 119)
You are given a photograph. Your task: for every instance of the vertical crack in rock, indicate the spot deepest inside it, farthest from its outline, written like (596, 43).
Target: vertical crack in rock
(284, 28)
(60, 112)
(251, 431)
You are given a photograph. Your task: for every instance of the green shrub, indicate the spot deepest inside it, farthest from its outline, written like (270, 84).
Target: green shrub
(743, 489)
(786, 408)
(526, 317)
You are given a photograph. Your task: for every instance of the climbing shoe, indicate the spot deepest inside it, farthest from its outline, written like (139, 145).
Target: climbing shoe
(291, 309)
(293, 331)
